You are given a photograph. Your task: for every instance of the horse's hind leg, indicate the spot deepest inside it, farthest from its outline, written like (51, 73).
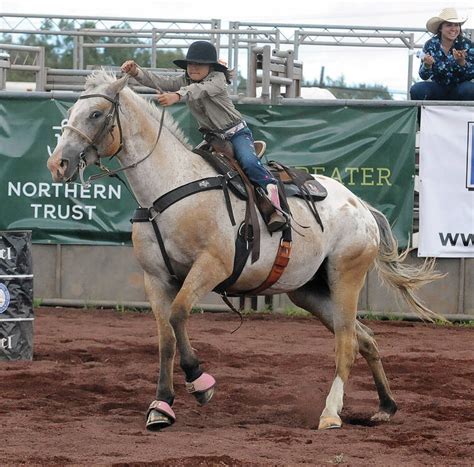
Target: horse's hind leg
(316, 297)
(339, 287)
(368, 349)
(343, 328)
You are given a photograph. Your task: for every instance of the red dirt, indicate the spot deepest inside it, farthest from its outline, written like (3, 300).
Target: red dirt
(83, 398)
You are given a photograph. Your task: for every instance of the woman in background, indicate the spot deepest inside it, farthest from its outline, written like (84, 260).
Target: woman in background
(447, 61)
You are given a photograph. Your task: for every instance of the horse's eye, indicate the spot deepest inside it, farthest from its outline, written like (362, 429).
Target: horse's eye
(95, 114)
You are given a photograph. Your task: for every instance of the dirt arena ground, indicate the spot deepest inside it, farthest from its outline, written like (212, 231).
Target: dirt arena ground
(83, 398)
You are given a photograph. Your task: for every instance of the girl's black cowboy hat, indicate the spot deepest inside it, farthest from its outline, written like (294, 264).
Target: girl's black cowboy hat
(201, 52)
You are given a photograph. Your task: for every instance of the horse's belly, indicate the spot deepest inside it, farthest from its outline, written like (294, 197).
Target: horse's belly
(306, 256)
(300, 273)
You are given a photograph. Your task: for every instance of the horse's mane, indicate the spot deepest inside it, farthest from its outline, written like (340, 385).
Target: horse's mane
(99, 77)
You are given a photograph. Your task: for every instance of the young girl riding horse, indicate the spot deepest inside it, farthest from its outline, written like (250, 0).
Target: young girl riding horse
(204, 88)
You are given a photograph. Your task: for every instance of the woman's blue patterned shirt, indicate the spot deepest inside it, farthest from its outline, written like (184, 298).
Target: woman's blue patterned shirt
(445, 69)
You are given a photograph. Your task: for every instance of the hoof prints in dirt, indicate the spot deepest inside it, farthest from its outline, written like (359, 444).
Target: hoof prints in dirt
(194, 461)
(84, 397)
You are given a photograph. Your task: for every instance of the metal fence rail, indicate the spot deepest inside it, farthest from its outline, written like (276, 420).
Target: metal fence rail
(16, 23)
(238, 38)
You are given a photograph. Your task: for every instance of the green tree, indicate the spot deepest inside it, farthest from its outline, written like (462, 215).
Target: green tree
(242, 83)
(59, 49)
(115, 56)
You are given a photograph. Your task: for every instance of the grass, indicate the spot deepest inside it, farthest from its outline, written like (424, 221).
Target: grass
(469, 323)
(290, 311)
(373, 316)
(123, 309)
(250, 311)
(370, 316)
(295, 311)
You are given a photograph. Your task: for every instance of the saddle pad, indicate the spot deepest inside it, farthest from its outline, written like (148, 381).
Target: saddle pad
(314, 189)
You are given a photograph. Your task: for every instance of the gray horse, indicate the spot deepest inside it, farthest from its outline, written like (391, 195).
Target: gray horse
(325, 274)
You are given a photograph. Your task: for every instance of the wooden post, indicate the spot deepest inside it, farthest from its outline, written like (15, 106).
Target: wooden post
(266, 62)
(252, 72)
(290, 73)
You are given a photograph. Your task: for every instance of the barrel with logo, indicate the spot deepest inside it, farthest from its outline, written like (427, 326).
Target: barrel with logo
(16, 296)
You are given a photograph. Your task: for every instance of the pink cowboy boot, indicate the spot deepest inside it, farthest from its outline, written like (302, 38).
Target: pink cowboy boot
(277, 219)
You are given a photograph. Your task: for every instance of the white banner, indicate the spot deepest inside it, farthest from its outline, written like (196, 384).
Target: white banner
(446, 182)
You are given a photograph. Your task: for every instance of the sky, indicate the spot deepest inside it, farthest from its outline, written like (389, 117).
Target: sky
(357, 65)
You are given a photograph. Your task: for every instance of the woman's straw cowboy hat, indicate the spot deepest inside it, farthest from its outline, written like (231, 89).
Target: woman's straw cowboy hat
(201, 52)
(447, 15)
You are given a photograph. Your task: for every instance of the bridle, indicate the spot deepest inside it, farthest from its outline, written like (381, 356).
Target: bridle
(108, 126)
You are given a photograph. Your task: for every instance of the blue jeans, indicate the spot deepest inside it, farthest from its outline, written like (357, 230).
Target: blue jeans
(429, 90)
(245, 154)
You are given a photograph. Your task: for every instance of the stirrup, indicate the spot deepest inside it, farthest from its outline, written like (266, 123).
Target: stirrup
(279, 219)
(260, 147)
(277, 222)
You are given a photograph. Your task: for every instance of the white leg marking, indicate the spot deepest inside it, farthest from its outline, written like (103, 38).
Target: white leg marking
(334, 401)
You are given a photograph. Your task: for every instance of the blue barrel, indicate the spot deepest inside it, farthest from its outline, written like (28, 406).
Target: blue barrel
(16, 296)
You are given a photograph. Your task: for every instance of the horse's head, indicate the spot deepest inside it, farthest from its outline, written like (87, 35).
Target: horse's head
(93, 130)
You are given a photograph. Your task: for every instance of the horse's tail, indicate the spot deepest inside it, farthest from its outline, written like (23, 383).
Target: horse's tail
(404, 277)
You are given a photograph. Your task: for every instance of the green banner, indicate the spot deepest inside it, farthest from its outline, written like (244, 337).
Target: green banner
(370, 149)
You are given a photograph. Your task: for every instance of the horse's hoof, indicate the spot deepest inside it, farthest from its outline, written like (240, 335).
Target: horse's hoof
(160, 415)
(380, 417)
(327, 423)
(204, 397)
(156, 421)
(202, 388)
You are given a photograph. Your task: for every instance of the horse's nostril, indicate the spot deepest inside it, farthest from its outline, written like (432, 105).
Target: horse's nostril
(63, 163)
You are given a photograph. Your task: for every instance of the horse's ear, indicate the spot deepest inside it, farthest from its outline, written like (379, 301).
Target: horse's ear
(118, 85)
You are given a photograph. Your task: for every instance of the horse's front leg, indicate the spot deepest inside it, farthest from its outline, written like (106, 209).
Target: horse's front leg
(207, 272)
(160, 414)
